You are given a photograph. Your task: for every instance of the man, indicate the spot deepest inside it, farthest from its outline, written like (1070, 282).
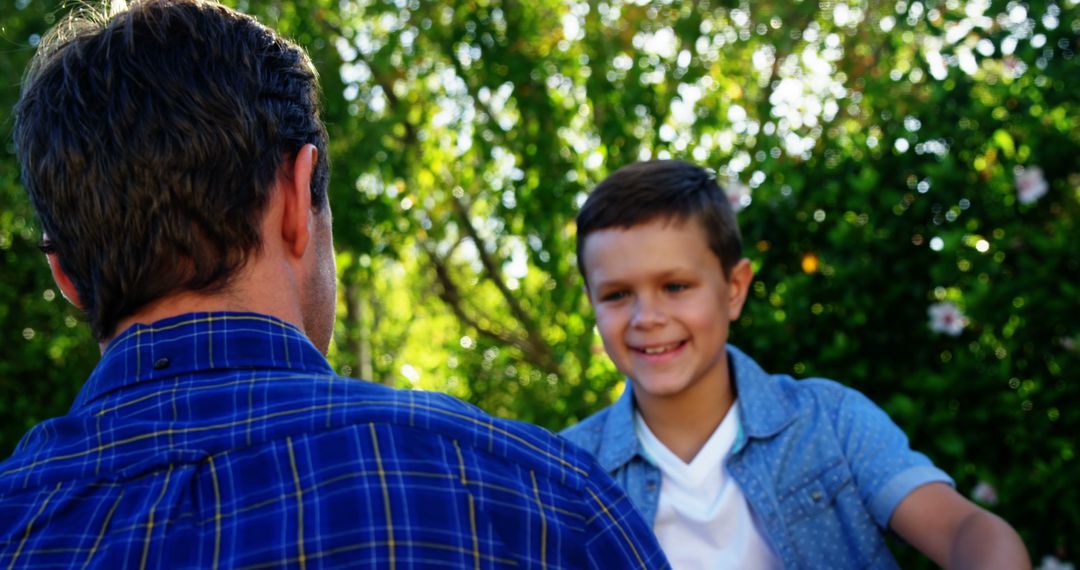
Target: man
(177, 163)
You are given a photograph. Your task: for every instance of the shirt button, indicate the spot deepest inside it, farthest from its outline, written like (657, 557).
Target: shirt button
(161, 364)
(651, 486)
(817, 496)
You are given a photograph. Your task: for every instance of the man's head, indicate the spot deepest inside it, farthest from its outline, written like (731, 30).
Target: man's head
(670, 190)
(150, 141)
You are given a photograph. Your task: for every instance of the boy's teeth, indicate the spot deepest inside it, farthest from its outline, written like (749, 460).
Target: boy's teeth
(658, 349)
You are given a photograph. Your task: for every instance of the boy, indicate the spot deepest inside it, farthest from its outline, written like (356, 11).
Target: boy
(735, 467)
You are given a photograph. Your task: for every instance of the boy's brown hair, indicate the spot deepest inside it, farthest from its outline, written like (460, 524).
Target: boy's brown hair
(671, 189)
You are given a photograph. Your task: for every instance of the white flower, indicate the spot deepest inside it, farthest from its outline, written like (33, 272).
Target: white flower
(946, 318)
(1052, 563)
(1030, 185)
(1014, 67)
(985, 493)
(738, 194)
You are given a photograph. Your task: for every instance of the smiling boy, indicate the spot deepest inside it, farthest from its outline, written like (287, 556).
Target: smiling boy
(733, 466)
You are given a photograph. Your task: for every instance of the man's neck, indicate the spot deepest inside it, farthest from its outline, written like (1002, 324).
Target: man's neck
(265, 284)
(684, 423)
(185, 302)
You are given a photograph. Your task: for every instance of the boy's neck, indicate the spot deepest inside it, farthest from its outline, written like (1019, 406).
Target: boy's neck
(684, 422)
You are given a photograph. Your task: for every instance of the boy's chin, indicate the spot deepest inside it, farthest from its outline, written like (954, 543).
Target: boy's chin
(661, 388)
(675, 387)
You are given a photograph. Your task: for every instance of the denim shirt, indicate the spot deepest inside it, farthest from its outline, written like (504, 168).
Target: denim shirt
(821, 466)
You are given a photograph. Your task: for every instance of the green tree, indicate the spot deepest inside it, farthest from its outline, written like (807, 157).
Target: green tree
(46, 354)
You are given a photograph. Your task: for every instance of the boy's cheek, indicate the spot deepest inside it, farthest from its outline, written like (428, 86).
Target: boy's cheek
(608, 325)
(607, 336)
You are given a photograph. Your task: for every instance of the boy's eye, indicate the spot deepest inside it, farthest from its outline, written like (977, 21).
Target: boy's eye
(676, 287)
(613, 296)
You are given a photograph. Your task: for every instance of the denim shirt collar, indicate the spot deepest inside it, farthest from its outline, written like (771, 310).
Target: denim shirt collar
(619, 444)
(764, 410)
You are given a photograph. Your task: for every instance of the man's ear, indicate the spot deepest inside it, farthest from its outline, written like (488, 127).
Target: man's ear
(295, 182)
(63, 282)
(739, 279)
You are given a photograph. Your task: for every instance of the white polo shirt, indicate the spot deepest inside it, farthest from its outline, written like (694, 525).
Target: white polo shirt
(703, 520)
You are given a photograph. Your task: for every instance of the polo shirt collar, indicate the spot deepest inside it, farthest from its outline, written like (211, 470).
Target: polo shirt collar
(198, 342)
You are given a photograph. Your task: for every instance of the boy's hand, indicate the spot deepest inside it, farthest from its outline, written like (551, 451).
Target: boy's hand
(955, 533)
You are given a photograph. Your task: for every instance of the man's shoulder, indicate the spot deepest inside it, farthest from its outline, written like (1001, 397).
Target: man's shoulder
(435, 415)
(512, 439)
(233, 412)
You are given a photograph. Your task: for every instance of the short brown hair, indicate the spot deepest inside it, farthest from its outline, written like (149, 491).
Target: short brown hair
(149, 140)
(644, 191)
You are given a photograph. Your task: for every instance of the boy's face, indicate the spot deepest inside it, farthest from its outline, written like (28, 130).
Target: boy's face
(663, 304)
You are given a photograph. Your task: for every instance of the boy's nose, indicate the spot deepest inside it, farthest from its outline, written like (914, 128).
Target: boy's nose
(648, 313)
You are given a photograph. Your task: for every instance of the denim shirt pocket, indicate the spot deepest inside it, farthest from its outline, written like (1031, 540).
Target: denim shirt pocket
(816, 492)
(828, 523)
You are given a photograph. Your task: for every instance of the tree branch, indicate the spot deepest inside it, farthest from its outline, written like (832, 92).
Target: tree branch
(451, 295)
(380, 78)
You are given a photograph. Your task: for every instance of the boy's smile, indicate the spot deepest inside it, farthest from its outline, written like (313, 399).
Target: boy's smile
(663, 305)
(665, 349)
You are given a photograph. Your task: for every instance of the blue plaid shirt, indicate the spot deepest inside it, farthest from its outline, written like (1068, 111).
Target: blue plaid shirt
(223, 439)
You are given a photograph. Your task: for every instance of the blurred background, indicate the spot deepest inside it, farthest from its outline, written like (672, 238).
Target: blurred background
(906, 174)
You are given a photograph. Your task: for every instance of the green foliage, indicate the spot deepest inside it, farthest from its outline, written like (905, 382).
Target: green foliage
(879, 145)
(45, 351)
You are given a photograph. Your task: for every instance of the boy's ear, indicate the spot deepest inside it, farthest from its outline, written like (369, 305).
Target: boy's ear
(295, 182)
(63, 282)
(739, 280)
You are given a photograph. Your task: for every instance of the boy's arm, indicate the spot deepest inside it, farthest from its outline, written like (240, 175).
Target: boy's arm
(956, 533)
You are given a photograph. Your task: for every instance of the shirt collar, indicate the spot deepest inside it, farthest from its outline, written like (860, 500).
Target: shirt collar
(195, 342)
(764, 410)
(763, 407)
(619, 444)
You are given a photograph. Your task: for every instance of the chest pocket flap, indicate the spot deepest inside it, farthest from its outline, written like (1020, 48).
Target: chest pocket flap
(816, 491)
